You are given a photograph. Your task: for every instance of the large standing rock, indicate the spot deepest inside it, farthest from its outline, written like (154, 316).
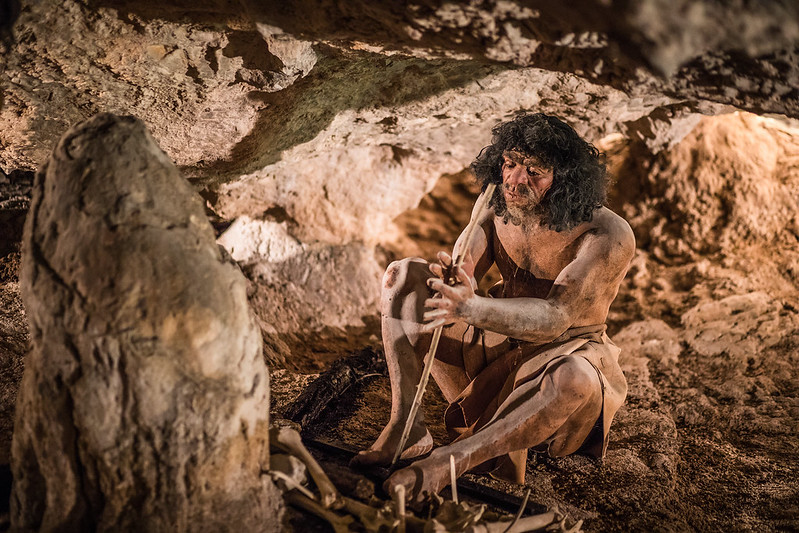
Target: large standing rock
(144, 403)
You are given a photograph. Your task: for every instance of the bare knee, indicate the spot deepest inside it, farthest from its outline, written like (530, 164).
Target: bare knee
(403, 278)
(580, 387)
(393, 273)
(400, 271)
(576, 378)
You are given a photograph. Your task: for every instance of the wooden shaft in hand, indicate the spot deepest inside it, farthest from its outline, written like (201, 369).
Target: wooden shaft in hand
(431, 353)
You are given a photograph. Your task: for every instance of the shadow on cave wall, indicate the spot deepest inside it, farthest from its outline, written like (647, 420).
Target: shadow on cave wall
(339, 81)
(386, 22)
(343, 80)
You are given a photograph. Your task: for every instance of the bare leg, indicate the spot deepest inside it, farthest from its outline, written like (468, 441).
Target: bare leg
(562, 408)
(402, 302)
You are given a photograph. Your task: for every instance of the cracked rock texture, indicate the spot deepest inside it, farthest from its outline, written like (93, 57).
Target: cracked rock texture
(730, 187)
(144, 402)
(328, 138)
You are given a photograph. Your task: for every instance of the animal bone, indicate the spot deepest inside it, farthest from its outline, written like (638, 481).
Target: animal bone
(399, 503)
(380, 519)
(452, 478)
(561, 524)
(288, 465)
(289, 473)
(372, 518)
(289, 440)
(286, 483)
(340, 524)
(528, 523)
(451, 516)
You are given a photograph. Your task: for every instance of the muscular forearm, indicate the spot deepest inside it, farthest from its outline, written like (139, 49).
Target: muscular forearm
(529, 319)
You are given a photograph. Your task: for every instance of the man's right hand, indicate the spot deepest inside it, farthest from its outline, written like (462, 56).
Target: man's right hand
(454, 287)
(445, 270)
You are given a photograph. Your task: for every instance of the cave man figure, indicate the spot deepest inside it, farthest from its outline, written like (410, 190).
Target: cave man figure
(529, 364)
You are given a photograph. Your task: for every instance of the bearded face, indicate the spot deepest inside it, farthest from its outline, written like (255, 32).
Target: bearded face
(525, 181)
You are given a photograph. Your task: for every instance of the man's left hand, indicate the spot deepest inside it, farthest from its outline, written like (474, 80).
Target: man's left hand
(452, 301)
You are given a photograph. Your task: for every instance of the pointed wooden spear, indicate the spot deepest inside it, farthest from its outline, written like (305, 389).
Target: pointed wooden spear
(431, 353)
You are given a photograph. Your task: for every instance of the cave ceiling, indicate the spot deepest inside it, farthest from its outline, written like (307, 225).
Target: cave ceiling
(327, 138)
(232, 88)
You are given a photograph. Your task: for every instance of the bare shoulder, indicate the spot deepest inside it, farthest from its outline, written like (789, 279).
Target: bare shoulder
(606, 222)
(482, 216)
(589, 283)
(613, 234)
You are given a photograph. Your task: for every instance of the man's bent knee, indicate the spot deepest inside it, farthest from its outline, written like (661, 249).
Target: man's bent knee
(577, 378)
(579, 384)
(399, 272)
(402, 279)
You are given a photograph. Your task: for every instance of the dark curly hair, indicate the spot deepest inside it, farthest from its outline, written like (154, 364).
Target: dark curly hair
(579, 185)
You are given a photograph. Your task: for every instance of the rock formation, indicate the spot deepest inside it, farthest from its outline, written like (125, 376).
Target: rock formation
(327, 138)
(144, 402)
(332, 119)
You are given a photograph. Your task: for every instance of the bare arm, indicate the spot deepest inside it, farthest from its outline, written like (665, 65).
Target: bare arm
(589, 282)
(479, 255)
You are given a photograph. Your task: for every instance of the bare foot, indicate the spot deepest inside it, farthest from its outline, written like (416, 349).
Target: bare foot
(424, 477)
(382, 451)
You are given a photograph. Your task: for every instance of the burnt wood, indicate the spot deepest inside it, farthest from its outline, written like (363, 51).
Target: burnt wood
(326, 391)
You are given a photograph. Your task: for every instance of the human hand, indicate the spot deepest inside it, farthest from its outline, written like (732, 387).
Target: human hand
(451, 302)
(444, 270)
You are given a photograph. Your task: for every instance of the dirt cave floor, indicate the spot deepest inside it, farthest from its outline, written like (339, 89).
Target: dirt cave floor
(695, 447)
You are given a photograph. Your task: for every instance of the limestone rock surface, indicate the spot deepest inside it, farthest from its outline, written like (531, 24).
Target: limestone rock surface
(144, 402)
(366, 166)
(734, 183)
(299, 278)
(339, 117)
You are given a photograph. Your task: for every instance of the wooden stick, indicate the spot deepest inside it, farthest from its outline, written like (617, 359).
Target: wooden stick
(431, 353)
(453, 478)
(519, 512)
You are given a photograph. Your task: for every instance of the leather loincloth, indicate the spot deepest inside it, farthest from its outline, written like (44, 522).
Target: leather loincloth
(501, 369)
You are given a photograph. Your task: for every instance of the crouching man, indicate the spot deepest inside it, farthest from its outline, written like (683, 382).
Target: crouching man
(528, 365)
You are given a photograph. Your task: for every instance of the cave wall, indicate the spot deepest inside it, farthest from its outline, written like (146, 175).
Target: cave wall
(314, 125)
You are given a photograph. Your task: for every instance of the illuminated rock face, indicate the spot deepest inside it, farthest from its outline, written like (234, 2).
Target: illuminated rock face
(145, 399)
(334, 119)
(315, 124)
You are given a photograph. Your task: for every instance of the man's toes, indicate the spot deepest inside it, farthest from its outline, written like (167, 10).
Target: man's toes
(411, 479)
(362, 458)
(400, 477)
